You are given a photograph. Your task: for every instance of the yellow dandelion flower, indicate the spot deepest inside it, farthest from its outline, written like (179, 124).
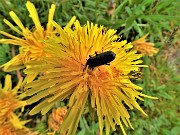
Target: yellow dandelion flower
(78, 68)
(30, 46)
(56, 118)
(9, 129)
(9, 102)
(146, 48)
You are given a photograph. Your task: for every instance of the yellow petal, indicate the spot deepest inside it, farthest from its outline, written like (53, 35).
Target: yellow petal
(35, 18)
(17, 20)
(8, 84)
(12, 27)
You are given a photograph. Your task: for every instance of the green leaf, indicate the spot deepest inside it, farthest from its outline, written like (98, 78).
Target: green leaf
(113, 25)
(160, 17)
(162, 87)
(118, 10)
(137, 28)
(163, 4)
(165, 95)
(41, 127)
(129, 22)
(175, 130)
(5, 54)
(165, 131)
(82, 132)
(128, 10)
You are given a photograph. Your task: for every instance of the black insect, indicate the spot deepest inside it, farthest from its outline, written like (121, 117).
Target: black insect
(100, 59)
(137, 75)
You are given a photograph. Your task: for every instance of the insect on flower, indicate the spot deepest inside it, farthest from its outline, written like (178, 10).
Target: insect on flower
(137, 75)
(68, 78)
(100, 59)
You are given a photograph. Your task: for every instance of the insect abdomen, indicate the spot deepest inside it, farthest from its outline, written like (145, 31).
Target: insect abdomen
(100, 59)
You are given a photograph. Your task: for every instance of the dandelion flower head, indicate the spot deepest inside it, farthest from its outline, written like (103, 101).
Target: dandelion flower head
(9, 129)
(9, 102)
(68, 77)
(56, 118)
(145, 48)
(30, 46)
